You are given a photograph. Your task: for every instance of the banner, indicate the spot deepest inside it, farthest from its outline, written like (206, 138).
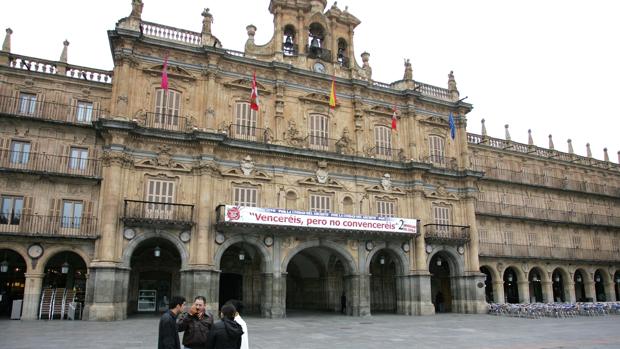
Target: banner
(257, 215)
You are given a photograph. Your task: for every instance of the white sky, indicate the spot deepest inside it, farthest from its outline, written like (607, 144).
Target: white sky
(546, 65)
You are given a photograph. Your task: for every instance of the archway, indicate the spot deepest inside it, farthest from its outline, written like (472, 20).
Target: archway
(12, 280)
(511, 289)
(599, 286)
(316, 281)
(617, 285)
(383, 272)
(241, 276)
(557, 279)
(64, 283)
(154, 277)
(488, 284)
(535, 283)
(441, 288)
(580, 288)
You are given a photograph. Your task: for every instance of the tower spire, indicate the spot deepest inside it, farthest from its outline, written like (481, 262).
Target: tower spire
(551, 146)
(6, 45)
(63, 55)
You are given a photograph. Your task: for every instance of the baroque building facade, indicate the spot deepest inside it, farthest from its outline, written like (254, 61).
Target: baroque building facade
(118, 193)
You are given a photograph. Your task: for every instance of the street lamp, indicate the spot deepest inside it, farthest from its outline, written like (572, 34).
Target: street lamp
(64, 268)
(579, 278)
(439, 262)
(157, 251)
(4, 266)
(509, 277)
(598, 278)
(241, 255)
(557, 278)
(381, 260)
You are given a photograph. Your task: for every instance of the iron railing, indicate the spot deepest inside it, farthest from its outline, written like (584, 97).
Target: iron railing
(446, 233)
(546, 252)
(250, 133)
(150, 212)
(50, 164)
(48, 226)
(166, 121)
(442, 161)
(500, 209)
(386, 153)
(23, 106)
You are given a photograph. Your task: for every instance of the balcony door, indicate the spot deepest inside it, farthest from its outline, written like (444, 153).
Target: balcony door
(167, 106)
(160, 196)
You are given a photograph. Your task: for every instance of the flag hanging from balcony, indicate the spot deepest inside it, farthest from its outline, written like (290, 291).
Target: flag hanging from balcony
(394, 118)
(332, 94)
(452, 127)
(254, 94)
(164, 75)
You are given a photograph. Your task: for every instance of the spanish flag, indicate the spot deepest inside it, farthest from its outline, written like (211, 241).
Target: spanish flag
(332, 94)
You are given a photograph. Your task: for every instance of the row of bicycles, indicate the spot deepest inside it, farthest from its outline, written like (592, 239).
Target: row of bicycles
(557, 310)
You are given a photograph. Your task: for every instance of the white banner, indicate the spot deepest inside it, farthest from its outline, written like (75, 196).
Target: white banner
(257, 215)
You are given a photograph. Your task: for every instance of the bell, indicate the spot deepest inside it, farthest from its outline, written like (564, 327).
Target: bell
(288, 43)
(314, 43)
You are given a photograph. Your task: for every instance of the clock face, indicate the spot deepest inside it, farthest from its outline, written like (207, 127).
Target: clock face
(319, 67)
(35, 251)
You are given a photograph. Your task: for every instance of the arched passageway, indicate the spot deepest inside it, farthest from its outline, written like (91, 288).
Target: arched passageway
(441, 287)
(154, 277)
(383, 272)
(599, 286)
(241, 276)
(580, 288)
(617, 285)
(12, 280)
(488, 284)
(511, 289)
(557, 279)
(64, 283)
(535, 283)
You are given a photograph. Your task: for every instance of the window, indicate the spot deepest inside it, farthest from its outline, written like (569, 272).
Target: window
(245, 121)
(11, 209)
(383, 141)
(341, 57)
(437, 150)
(483, 236)
(441, 216)
(385, 208)
(71, 213)
(531, 238)
(576, 241)
(596, 243)
(160, 192)
(167, 106)
(508, 238)
(78, 159)
(555, 240)
(319, 132)
(288, 47)
(20, 152)
(84, 111)
(320, 203)
(243, 196)
(27, 103)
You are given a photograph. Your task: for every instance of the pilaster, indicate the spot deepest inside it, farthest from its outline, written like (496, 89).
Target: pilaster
(32, 293)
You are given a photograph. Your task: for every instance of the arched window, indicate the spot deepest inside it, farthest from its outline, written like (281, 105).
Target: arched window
(319, 132)
(167, 107)
(289, 47)
(383, 142)
(316, 35)
(342, 56)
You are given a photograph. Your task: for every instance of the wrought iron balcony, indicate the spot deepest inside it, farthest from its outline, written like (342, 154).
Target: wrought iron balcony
(80, 114)
(546, 252)
(446, 233)
(441, 162)
(165, 121)
(386, 153)
(41, 163)
(250, 133)
(158, 213)
(48, 226)
(545, 214)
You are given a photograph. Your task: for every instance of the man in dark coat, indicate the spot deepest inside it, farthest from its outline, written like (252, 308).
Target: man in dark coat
(168, 332)
(225, 334)
(196, 325)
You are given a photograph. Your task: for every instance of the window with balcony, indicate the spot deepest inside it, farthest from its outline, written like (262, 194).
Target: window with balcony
(245, 196)
(245, 121)
(78, 159)
(385, 208)
(160, 192)
(383, 141)
(437, 150)
(11, 209)
(319, 131)
(20, 152)
(508, 237)
(441, 217)
(27, 103)
(576, 241)
(84, 111)
(71, 213)
(320, 203)
(167, 107)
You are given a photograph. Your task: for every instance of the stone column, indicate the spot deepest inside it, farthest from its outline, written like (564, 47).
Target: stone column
(474, 264)
(211, 101)
(357, 289)
(588, 285)
(498, 292)
(273, 302)
(110, 202)
(420, 245)
(524, 291)
(204, 283)
(547, 288)
(610, 292)
(569, 291)
(32, 293)
(106, 294)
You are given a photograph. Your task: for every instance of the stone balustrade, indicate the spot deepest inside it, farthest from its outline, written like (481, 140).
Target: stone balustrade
(165, 32)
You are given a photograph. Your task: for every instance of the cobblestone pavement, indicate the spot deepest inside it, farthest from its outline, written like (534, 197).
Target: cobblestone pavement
(333, 331)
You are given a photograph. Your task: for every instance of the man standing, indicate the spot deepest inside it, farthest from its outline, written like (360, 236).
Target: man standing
(168, 333)
(196, 324)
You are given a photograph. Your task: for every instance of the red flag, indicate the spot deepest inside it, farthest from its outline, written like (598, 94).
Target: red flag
(164, 75)
(332, 94)
(254, 95)
(394, 118)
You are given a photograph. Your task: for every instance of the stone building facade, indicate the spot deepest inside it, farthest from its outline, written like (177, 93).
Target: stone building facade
(114, 187)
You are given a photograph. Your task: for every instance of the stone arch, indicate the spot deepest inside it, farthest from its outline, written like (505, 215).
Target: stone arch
(348, 262)
(455, 260)
(395, 251)
(54, 250)
(544, 276)
(494, 273)
(266, 260)
(584, 274)
(518, 271)
(19, 249)
(604, 274)
(566, 276)
(146, 235)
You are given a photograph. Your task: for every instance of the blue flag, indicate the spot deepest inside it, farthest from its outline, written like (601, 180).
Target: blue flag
(452, 127)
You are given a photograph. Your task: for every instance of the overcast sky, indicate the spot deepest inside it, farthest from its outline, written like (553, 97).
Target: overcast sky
(549, 66)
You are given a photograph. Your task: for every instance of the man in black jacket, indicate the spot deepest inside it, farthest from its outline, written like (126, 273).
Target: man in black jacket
(168, 332)
(196, 325)
(225, 334)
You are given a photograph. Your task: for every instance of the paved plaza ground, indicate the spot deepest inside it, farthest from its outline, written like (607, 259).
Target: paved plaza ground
(300, 331)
